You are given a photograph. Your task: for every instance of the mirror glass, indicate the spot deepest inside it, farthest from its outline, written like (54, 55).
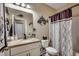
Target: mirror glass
(19, 24)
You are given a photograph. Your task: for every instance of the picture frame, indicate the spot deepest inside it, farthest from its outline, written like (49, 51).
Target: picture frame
(3, 42)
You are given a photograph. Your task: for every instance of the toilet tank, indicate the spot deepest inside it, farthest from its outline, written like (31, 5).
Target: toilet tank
(44, 43)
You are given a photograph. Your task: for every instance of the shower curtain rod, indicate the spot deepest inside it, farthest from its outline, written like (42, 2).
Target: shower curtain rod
(74, 6)
(67, 8)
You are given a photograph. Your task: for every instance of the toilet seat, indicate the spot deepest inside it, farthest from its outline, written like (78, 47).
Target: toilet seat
(51, 51)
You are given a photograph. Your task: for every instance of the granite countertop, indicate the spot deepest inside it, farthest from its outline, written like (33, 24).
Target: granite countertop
(20, 42)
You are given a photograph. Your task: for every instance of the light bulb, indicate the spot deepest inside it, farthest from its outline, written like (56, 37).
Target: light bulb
(17, 3)
(28, 6)
(23, 5)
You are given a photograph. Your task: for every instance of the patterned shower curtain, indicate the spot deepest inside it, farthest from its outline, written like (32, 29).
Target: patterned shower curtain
(61, 32)
(66, 37)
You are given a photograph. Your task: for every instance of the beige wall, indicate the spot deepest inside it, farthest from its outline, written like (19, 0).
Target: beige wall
(75, 11)
(75, 33)
(38, 11)
(75, 28)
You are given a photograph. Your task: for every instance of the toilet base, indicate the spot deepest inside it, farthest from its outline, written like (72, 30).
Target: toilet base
(47, 54)
(51, 55)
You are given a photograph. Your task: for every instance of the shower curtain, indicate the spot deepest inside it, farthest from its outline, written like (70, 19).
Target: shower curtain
(66, 37)
(61, 32)
(55, 35)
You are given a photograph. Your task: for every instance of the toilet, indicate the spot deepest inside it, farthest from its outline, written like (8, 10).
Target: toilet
(50, 51)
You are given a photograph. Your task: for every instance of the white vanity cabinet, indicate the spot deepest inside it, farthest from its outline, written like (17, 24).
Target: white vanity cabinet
(35, 52)
(26, 53)
(31, 49)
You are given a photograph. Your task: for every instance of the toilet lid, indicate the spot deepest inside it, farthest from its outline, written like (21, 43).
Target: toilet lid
(51, 50)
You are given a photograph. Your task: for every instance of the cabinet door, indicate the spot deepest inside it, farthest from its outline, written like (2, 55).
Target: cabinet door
(17, 50)
(23, 54)
(35, 52)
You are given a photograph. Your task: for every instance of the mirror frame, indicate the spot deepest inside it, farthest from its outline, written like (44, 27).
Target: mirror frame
(4, 31)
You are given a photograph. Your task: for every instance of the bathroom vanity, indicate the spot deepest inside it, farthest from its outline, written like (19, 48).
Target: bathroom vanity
(28, 47)
(20, 33)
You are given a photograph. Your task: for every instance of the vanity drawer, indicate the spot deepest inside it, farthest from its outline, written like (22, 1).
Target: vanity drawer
(18, 49)
(33, 45)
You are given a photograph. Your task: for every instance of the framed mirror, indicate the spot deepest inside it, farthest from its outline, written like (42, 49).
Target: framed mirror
(2, 27)
(19, 24)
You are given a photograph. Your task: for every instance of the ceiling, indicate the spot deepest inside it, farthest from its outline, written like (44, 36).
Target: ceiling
(57, 5)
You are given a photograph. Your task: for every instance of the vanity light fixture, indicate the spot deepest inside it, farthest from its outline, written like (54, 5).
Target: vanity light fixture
(17, 4)
(24, 5)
